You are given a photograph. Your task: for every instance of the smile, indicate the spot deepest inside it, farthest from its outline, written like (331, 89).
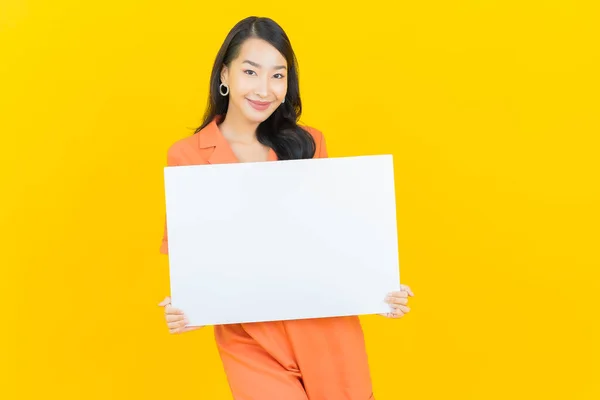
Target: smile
(259, 105)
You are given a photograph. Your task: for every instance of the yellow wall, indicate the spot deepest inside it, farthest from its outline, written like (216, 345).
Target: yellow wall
(490, 109)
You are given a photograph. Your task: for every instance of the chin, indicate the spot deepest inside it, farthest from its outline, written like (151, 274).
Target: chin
(258, 116)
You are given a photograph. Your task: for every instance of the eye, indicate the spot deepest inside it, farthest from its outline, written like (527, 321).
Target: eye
(279, 76)
(249, 71)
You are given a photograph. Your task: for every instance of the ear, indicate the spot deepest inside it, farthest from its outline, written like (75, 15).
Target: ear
(224, 74)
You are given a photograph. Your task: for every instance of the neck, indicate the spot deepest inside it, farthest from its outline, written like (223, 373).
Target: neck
(236, 128)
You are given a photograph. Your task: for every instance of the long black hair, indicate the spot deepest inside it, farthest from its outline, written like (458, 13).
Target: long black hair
(280, 131)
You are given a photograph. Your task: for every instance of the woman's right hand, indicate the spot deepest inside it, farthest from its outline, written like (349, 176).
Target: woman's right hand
(176, 319)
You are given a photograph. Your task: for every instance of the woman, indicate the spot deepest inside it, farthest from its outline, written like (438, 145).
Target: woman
(252, 116)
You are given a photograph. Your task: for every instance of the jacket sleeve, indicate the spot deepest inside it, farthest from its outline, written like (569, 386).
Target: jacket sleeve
(172, 160)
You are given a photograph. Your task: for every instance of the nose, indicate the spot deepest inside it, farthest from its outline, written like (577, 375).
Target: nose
(262, 87)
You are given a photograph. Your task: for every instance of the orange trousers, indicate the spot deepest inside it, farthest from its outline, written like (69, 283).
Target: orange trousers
(309, 359)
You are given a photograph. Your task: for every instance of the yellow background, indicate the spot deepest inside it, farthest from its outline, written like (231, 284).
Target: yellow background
(490, 109)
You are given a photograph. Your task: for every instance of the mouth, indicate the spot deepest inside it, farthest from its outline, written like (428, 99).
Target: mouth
(259, 105)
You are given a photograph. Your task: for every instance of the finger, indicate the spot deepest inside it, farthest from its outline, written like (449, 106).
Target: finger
(172, 310)
(177, 324)
(402, 308)
(389, 315)
(397, 313)
(407, 289)
(191, 328)
(175, 317)
(398, 300)
(394, 296)
(183, 330)
(166, 301)
(177, 330)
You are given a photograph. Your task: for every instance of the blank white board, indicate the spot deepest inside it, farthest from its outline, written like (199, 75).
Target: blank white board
(281, 240)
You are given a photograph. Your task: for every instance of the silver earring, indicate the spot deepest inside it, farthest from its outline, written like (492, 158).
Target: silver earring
(283, 101)
(221, 89)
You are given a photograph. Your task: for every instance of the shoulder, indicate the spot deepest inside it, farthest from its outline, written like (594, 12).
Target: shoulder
(315, 133)
(181, 150)
(320, 143)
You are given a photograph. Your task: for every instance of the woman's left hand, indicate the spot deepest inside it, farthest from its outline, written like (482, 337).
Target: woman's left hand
(398, 302)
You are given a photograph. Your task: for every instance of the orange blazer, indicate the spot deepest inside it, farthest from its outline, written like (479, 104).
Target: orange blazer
(209, 146)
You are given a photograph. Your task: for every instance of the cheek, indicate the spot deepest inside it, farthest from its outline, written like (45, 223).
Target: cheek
(240, 85)
(279, 87)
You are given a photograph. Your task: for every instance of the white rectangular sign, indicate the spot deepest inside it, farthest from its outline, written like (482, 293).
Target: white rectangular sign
(282, 240)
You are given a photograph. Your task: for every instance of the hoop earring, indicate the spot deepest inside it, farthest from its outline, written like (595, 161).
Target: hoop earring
(221, 89)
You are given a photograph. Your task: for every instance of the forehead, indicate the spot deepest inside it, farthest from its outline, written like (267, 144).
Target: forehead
(260, 52)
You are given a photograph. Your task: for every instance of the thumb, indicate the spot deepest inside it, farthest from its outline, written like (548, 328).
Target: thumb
(166, 301)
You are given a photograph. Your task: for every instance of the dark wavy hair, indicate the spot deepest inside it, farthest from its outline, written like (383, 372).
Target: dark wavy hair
(280, 131)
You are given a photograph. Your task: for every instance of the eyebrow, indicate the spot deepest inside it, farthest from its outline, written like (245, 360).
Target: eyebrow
(258, 65)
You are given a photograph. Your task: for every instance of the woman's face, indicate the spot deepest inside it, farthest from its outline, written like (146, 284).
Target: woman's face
(257, 80)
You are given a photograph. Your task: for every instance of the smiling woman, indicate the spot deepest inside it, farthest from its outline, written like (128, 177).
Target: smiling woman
(254, 89)
(252, 116)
